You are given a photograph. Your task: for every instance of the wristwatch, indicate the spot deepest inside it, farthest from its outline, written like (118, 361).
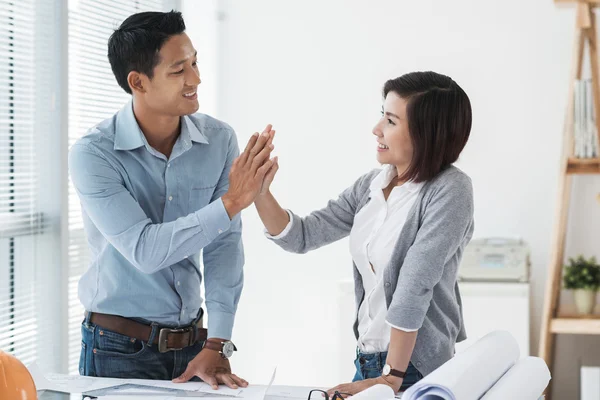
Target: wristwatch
(388, 370)
(225, 348)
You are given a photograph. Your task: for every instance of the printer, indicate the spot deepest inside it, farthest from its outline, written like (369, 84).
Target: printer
(495, 260)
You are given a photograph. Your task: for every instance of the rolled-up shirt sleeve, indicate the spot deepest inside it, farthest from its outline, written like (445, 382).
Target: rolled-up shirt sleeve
(223, 264)
(285, 231)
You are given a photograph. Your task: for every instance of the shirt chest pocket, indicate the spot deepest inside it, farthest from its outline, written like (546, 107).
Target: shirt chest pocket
(200, 197)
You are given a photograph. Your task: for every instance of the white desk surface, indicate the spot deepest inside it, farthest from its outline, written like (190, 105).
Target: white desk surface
(275, 393)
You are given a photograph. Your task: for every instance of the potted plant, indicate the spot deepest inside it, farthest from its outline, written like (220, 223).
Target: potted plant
(583, 277)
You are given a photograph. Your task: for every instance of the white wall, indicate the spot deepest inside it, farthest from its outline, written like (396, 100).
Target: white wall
(315, 70)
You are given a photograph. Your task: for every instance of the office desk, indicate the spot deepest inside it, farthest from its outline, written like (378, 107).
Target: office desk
(274, 393)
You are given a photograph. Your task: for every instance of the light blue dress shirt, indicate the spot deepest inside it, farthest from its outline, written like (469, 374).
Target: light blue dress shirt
(147, 218)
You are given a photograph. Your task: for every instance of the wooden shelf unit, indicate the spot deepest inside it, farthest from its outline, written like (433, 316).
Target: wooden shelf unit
(553, 321)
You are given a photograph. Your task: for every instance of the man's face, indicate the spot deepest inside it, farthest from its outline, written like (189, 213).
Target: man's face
(172, 90)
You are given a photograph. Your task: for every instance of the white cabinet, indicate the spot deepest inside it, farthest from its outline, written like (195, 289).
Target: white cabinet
(590, 383)
(496, 306)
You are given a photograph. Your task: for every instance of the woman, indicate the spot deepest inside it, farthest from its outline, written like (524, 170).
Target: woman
(408, 225)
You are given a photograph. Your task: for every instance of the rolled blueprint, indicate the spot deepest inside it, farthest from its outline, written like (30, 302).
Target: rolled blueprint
(377, 392)
(525, 381)
(470, 374)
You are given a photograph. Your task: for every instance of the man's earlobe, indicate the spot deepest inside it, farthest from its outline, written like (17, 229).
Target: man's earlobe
(136, 83)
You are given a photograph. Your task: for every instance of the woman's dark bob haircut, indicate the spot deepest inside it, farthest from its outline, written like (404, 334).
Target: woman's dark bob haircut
(439, 121)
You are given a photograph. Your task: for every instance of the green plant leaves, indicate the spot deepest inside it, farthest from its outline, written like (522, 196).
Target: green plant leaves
(582, 273)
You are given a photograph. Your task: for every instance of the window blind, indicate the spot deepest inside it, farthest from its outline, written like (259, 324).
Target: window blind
(20, 221)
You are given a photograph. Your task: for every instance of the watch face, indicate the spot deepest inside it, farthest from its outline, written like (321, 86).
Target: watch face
(386, 369)
(228, 349)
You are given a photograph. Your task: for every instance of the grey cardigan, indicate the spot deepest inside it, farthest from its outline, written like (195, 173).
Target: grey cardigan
(420, 282)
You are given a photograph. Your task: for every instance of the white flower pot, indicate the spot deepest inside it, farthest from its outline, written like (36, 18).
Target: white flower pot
(585, 300)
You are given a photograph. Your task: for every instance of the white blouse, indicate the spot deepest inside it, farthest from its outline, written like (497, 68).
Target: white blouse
(373, 238)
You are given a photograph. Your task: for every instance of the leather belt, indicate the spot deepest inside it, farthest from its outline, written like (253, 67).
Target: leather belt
(168, 339)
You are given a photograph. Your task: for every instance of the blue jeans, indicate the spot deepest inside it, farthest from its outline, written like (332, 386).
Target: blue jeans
(370, 365)
(112, 355)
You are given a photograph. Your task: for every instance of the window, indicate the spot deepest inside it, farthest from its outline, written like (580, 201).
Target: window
(20, 220)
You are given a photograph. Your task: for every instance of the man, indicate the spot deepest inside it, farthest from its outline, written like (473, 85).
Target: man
(157, 186)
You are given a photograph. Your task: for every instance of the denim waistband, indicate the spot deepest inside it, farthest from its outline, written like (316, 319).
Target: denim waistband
(369, 357)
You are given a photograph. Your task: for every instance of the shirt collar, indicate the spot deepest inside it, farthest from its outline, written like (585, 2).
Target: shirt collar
(383, 179)
(189, 129)
(129, 136)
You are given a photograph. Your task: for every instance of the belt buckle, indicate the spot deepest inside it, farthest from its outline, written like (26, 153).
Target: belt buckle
(163, 337)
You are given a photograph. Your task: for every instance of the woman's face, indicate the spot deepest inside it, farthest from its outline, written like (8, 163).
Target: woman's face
(394, 143)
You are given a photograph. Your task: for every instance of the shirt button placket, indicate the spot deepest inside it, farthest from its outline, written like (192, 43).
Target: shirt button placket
(169, 190)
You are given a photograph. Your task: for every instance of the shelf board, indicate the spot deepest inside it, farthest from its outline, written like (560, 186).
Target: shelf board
(593, 2)
(583, 165)
(579, 325)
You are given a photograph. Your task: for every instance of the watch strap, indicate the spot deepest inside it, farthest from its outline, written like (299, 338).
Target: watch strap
(397, 374)
(213, 345)
(217, 345)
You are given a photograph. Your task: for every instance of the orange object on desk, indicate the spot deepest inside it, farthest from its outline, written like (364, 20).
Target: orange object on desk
(16, 382)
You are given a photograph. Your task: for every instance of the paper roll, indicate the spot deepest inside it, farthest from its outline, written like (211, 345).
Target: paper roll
(470, 374)
(377, 392)
(526, 380)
